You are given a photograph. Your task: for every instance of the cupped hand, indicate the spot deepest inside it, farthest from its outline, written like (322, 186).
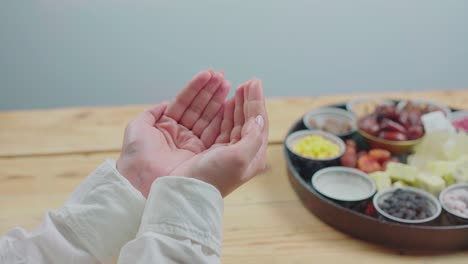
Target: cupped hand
(239, 152)
(161, 138)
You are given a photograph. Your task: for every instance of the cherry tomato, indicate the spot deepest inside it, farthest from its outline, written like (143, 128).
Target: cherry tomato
(381, 155)
(361, 153)
(350, 143)
(368, 164)
(349, 160)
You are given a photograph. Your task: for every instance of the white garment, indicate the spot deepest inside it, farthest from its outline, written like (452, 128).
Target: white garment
(107, 220)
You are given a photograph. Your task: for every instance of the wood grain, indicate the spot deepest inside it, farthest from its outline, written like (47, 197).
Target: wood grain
(100, 129)
(44, 155)
(264, 221)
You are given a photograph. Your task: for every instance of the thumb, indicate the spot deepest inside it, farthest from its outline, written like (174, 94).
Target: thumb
(152, 114)
(251, 137)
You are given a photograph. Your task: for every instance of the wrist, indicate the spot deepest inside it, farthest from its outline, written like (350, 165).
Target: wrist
(131, 174)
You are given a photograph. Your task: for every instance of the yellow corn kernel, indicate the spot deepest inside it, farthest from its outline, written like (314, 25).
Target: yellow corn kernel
(316, 147)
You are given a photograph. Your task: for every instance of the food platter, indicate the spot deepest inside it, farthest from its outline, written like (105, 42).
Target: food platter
(441, 234)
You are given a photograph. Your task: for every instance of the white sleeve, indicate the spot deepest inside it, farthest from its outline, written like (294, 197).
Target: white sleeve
(102, 214)
(182, 223)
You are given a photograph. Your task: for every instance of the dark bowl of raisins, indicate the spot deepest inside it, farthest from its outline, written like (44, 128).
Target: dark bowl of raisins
(407, 205)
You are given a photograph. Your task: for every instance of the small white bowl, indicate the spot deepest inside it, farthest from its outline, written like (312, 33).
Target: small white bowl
(448, 190)
(434, 204)
(344, 184)
(445, 109)
(322, 114)
(372, 103)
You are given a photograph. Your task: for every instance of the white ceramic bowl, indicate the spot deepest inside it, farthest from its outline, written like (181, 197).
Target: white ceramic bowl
(344, 184)
(434, 204)
(448, 190)
(372, 103)
(445, 109)
(322, 114)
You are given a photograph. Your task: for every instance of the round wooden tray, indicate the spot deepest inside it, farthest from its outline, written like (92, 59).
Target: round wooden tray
(362, 226)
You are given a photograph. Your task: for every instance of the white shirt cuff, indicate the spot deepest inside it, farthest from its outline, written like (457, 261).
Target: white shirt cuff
(104, 212)
(185, 207)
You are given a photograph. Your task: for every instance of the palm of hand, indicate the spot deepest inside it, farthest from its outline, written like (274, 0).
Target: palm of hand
(172, 144)
(193, 134)
(167, 134)
(240, 147)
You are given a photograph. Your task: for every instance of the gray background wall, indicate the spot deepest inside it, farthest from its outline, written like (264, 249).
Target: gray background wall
(56, 53)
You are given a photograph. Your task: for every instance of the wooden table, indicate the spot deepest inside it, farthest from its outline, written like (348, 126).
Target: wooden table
(45, 154)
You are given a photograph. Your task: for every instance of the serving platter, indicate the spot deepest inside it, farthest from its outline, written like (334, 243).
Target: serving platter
(443, 234)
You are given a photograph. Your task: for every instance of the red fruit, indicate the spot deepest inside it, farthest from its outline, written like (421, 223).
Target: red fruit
(461, 124)
(415, 132)
(350, 151)
(390, 125)
(350, 143)
(361, 153)
(368, 164)
(415, 118)
(381, 155)
(395, 136)
(349, 160)
(404, 118)
(386, 111)
(369, 125)
(370, 210)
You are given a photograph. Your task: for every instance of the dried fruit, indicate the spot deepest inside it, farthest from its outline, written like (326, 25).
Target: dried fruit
(369, 125)
(415, 132)
(395, 136)
(381, 155)
(390, 125)
(368, 164)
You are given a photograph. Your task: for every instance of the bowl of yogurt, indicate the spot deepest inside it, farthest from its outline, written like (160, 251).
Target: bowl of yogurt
(344, 184)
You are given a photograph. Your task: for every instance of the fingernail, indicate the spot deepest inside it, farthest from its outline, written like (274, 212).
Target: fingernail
(212, 72)
(259, 121)
(222, 72)
(256, 83)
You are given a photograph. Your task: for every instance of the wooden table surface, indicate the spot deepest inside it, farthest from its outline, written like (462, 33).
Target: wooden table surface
(45, 154)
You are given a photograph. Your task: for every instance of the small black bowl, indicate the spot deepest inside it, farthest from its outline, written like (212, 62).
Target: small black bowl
(307, 166)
